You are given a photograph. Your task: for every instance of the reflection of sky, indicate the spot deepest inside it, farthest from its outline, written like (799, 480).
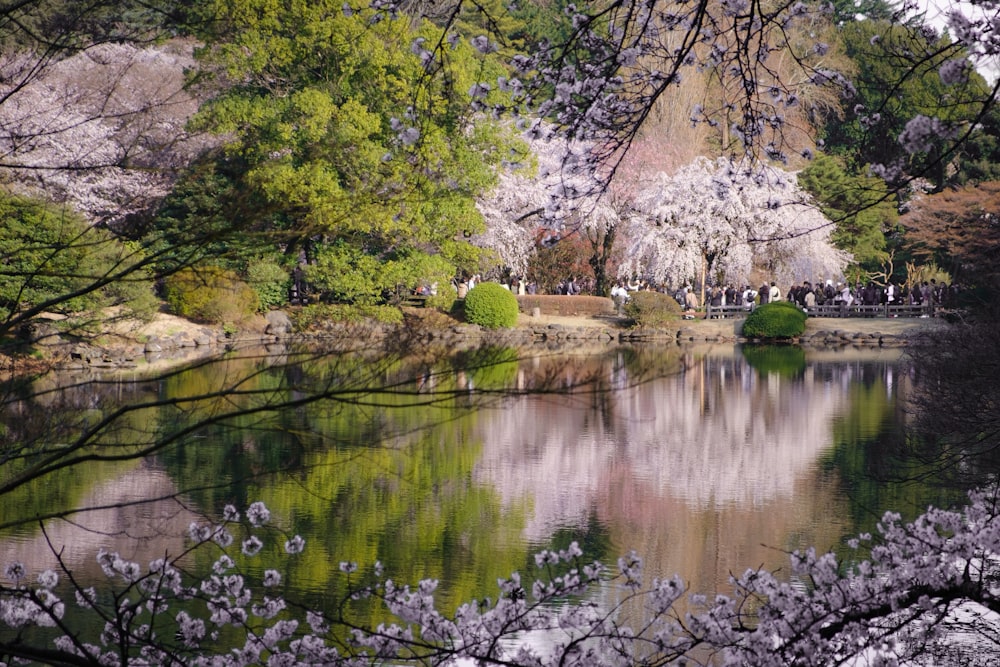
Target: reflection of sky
(717, 435)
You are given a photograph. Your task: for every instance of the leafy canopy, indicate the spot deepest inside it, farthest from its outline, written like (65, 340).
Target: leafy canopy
(359, 156)
(861, 207)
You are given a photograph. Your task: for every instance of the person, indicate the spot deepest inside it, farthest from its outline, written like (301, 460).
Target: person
(764, 293)
(463, 289)
(775, 294)
(572, 287)
(846, 299)
(619, 295)
(691, 301)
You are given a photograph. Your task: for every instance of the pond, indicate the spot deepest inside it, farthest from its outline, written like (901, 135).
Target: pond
(705, 460)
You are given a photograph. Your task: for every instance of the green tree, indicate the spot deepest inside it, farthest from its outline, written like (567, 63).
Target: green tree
(358, 157)
(979, 158)
(53, 262)
(862, 207)
(898, 78)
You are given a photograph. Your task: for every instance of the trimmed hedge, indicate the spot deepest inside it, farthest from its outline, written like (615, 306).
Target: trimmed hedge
(492, 306)
(780, 319)
(562, 304)
(652, 309)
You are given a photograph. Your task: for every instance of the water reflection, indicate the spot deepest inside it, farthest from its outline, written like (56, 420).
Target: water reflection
(703, 460)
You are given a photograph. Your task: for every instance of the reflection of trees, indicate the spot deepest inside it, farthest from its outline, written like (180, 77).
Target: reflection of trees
(109, 519)
(715, 435)
(705, 471)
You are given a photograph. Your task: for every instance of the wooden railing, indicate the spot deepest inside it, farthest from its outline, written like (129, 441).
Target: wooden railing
(882, 310)
(833, 310)
(726, 312)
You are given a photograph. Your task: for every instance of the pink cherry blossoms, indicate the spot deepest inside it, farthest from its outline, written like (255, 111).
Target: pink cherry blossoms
(920, 592)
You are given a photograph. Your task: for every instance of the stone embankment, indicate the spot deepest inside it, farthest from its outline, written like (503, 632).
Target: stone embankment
(171, 341)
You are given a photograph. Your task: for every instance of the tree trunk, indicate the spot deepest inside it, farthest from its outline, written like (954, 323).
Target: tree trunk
(601, 246)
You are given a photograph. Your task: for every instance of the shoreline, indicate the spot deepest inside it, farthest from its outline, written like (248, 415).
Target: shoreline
(169, 341)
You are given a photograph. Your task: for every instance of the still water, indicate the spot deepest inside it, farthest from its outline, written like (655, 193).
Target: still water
(704, 460)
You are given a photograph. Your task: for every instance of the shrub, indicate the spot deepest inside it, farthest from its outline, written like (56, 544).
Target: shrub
(491, 305)
(269, 280)
(316, 316)
(780, 319)
(210, 294)
(651, 309)
(557, 304)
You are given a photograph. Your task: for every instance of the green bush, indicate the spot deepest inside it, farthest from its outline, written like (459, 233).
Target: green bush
(652, 309)
(210, 294)
(269, 280)
(780, 319)
(316, 316)
(492, 306)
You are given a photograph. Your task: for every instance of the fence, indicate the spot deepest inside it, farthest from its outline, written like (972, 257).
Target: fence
(834, 310)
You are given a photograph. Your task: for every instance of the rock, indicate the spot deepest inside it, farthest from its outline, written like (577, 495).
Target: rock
(278, 323)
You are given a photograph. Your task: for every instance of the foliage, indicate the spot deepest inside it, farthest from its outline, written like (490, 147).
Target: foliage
(54, 262)
(492, 306)
(903, 72)
(556, 260)
(363, 161)
(862, 208)
(269, 280)
(211, 294)
(652, 309)
(778, 319)
(979, 157)
(315, 316)
(957, 230)
(343, 273)
(208, 215)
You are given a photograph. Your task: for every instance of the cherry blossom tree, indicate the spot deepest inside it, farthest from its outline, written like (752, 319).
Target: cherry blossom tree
(102, 130)
(915, 593)
(723, 219)
(539, 194)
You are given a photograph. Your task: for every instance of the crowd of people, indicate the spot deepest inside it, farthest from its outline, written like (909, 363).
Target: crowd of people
(808, 295)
